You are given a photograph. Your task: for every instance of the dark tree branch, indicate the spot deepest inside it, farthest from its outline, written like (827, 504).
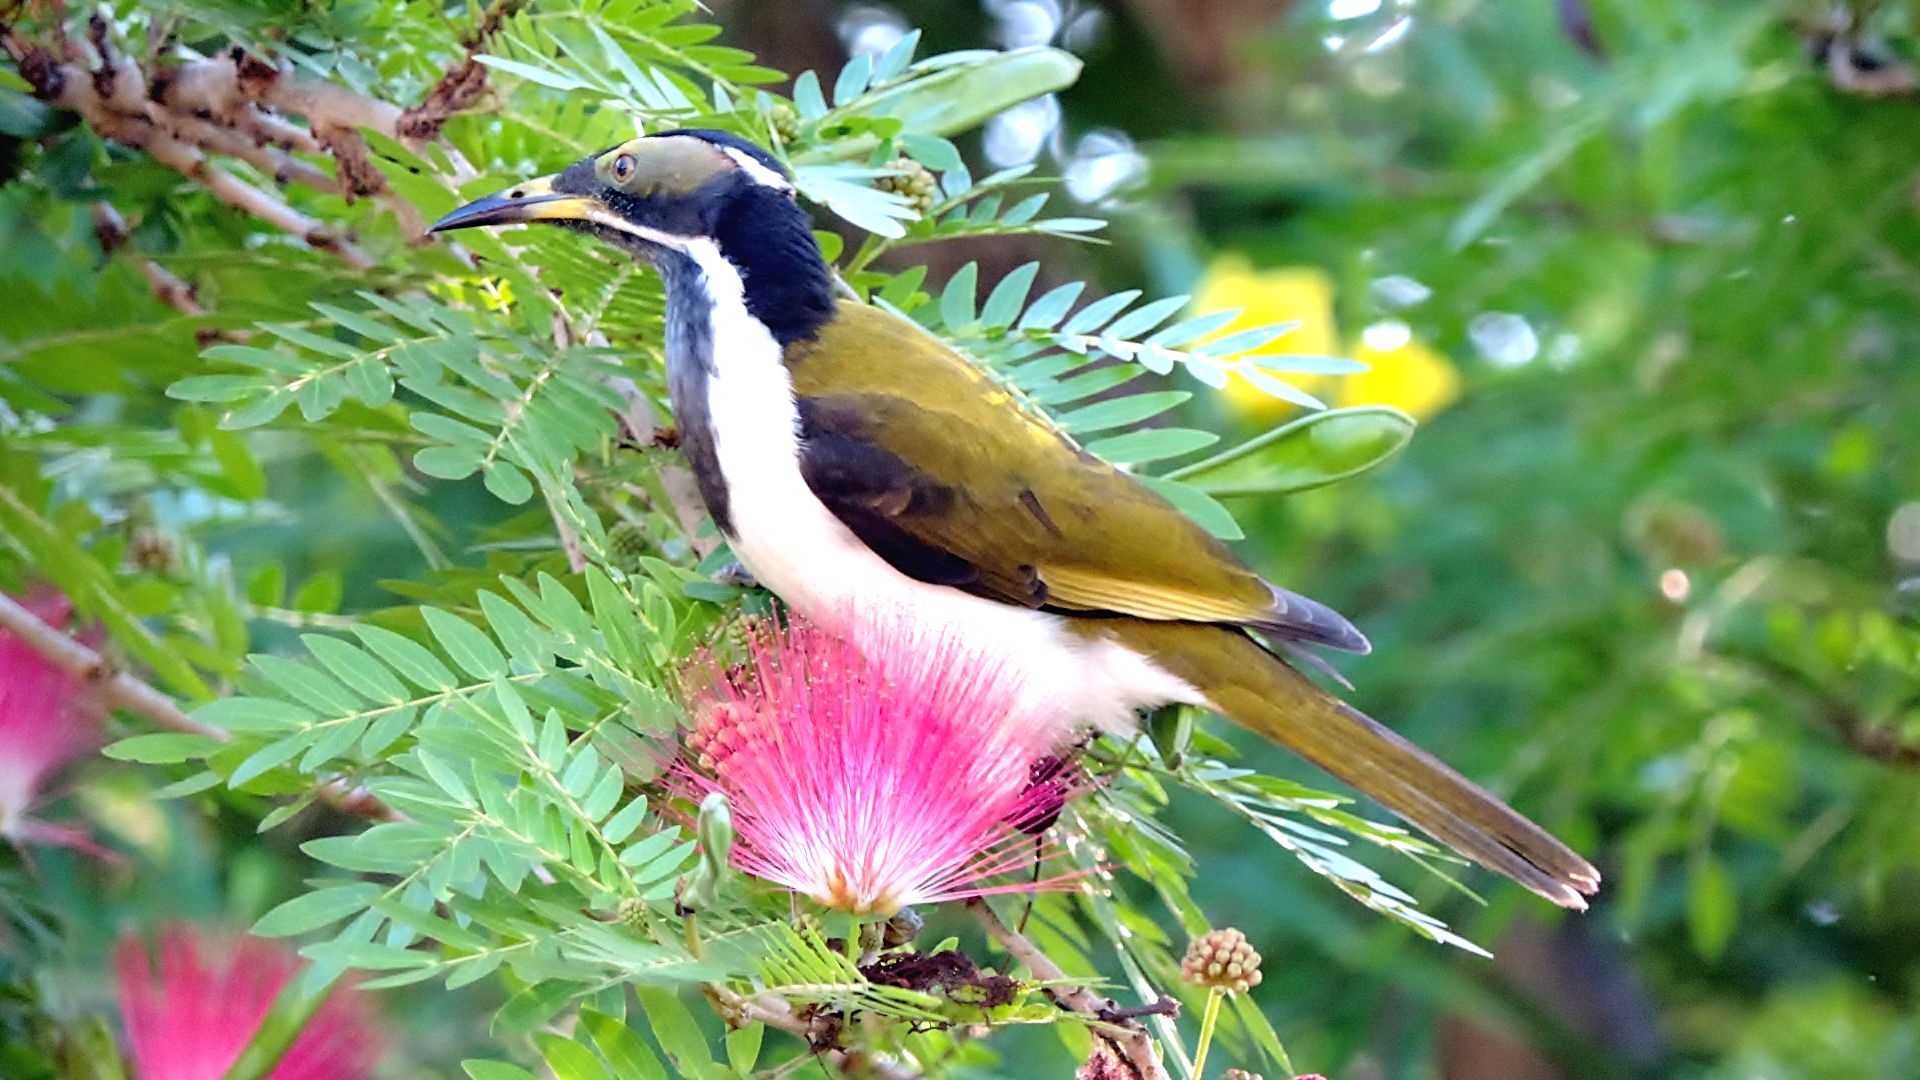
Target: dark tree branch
(1122, 1032)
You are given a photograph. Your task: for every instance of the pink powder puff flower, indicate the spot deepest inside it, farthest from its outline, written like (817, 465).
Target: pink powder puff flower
(871, 778)
(192, 1008)
(48, 717)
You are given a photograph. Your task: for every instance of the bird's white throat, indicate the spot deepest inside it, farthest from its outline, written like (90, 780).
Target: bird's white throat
(795, 546)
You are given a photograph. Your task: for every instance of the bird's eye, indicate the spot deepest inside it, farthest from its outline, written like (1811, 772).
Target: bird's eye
(623, 167)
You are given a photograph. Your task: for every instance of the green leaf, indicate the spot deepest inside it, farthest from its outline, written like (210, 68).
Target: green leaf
(1046, 312)
(956, 300)
(1121, 411)
(655, 845)
(621, 825)
(947, 99)
(1713, 908)
(448, 462)
(465, 644)
(1197, 505)
(190, 785)
(371, 329)
(853, 79)
(1154, 444)
(507, 483)
(254, 715)
(623, 1049)
(408, 657)
(495, 1070)
(267, 758)
(1145, 317)
(306, 685)
(1307, 453)
(354, 668)
(237, 463)
(1003, 304)
(320, 593)
(1091, 318)
(674, 1026)
(808, 99)
(219, 388)
(543, 76)
(163, 748)
(568, 1059)
(316, 909)
(533, 1005)
(604, 795)
(897, 57)
(743, 1047)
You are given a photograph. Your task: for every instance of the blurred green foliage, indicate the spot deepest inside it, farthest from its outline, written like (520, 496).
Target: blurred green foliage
(1656, 575)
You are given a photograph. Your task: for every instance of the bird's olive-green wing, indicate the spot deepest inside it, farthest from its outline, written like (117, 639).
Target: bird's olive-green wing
(929, 462)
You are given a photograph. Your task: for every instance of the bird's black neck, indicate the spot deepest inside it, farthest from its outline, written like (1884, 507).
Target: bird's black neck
(690, 367)
(768, 239)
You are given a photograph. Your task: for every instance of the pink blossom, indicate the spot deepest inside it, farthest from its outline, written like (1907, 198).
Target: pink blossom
(900, 772)
(48, 717)
(191, 1009)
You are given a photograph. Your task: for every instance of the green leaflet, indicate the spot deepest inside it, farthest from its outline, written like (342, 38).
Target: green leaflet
(1313, 451)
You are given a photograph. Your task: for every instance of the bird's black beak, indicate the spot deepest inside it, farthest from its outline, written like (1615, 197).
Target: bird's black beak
(531, 200)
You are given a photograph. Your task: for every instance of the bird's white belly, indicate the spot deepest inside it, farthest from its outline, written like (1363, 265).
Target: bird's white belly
(796, 547)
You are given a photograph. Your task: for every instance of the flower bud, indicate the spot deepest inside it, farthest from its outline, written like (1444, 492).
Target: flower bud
(785, 121)
(714, 829)
(913, 182)
(905, 925)
(1222, 960)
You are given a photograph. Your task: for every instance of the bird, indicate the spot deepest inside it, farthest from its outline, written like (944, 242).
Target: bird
(852, 459)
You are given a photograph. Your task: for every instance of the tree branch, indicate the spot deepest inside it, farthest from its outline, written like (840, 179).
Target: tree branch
(762, 1008)
(1861, 734)
(117, 688)
(113, 101)
(236, 105)
(1128, 1039)
(111, 230)
(122, 690)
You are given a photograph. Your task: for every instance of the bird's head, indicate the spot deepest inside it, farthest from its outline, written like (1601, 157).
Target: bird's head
(664, 190)
(682, 199)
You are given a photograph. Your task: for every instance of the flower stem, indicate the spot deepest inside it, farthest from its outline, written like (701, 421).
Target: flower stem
(693, 934)
(277, 1031)
(853, 940)
(1207, 1022)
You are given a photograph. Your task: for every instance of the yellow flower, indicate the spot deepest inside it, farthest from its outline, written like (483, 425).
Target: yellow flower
(1264, 297)
(1401, 372)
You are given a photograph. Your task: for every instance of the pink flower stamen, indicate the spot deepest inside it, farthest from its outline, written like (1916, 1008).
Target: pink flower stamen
(48, 717)
(191, 1008)
(876, 776)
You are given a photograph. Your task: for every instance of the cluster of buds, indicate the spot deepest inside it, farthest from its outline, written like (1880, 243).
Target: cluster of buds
(722, 730)
(154, 550)
(913, 182)
(785, 121)
(1222, 960)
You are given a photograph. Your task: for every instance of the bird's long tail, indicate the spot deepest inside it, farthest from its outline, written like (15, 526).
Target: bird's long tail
(1260, 692)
